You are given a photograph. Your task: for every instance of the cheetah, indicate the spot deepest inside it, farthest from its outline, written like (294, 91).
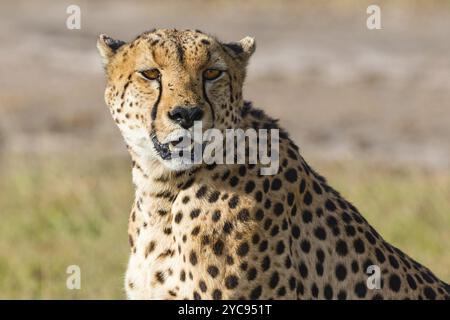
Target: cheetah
(226, 231)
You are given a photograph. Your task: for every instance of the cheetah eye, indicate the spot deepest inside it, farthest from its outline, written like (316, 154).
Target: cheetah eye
(212, 74)
(151, 74)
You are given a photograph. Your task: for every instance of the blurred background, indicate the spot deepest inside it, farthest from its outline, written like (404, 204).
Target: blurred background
(370, 110)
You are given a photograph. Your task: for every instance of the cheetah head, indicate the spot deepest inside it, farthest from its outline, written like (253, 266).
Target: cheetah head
(159, 84)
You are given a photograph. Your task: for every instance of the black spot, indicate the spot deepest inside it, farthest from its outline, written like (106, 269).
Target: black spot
(330, 205)
(178, 217)
(213, 271)
(259, 215)
(217, 294)
(195, 213)
(263, 246)
(291, 175)
(243, 249)
(394, 282)
(341, 272)
(294, 211)
(393, 262)
(162, 212)
(316, 187)
(342, 295)
(370, 237)
(319, 269)
(331, 222)
(290, 198)
(307, 198)
(242, 170)
(265, 264)
(314, 290)
(195, 231)
(159, 277)
(243, 215)
(266, 185)
(350, 231)
(287, 262)
(319, 212)
(307, 216)
(292, 154)
(281, 292)
(255, 238)
(202, 286)
(278, 208)
(302, 186)
(276, 184)
(359, 245)
(251, 274)
(341, 248)
(346, 217)
(218, 247)
(429, 293)
(303, 269)
(201, 192)
(328, 292)
(280, 247)
(355, 266)
(216, 216)
(185, 199)
(214, 196)
(305, 246)
(227, 227)
(231, 282)
(427, 277)
(234, 181)
(226, 175)
(411, 282)
(188, 183)
(292, 283)
(295, 231)
(193, 258)
(249, 187)
(380, 255)
(320, 233)
(360, 289)
(256, 293)
(274, 279)
(320, 255)
(234, 201)
(274, 230)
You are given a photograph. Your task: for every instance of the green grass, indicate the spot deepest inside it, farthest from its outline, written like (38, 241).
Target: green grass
(55, 213)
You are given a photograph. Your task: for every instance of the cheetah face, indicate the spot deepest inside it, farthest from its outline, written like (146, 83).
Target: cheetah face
(165, 80)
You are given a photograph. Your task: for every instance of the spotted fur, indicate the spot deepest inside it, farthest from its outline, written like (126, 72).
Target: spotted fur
(226, 231)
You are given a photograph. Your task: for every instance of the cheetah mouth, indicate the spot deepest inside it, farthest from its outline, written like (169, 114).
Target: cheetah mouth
(162, 149)
(176, 147)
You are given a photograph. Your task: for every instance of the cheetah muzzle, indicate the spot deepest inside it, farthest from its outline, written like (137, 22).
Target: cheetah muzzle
(226, 231)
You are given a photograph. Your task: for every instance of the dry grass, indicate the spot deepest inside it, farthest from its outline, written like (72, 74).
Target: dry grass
(56, 213)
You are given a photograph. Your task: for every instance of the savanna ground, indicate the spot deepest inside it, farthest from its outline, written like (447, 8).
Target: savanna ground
(369, 109)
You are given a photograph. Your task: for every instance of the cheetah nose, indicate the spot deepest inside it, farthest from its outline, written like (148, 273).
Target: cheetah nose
(185, 116)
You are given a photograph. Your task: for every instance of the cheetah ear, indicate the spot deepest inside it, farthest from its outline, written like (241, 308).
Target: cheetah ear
(243, 49)
(107, 47)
